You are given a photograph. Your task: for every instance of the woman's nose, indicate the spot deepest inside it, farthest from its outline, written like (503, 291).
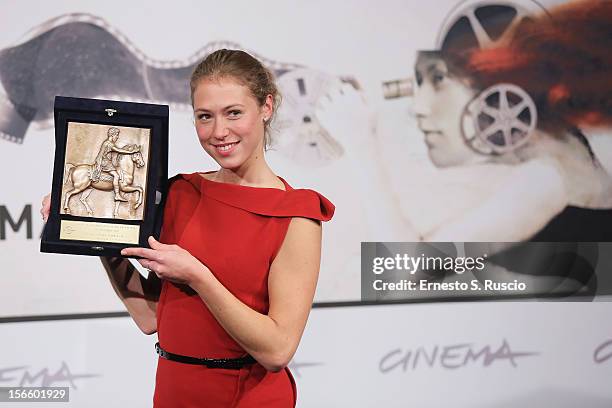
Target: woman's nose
(421, 102)
(220, 130)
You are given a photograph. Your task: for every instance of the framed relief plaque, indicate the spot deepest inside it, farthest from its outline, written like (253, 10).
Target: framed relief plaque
(109, 176)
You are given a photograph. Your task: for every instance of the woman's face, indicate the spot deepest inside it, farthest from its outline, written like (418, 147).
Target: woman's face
(229, 121)
(439, 103)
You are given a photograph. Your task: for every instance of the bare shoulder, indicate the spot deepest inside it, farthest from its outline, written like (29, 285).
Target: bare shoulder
(302, 226)
(302, 241)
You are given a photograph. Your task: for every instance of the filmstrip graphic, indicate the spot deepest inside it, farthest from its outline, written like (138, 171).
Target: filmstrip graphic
(87, 57)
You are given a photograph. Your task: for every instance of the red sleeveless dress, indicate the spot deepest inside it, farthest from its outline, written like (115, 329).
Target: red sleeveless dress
(236, 231)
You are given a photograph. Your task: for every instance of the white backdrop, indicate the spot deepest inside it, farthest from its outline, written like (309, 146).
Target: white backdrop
(338, 362)
(339, 356)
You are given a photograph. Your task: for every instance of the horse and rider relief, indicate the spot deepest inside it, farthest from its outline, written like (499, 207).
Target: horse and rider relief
(110, 162)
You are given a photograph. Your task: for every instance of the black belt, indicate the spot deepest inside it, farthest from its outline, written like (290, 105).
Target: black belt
(228, 363)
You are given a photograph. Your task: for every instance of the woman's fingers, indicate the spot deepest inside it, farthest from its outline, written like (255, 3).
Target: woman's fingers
(144, 262)
(155, 244)
(152, 266)
(45, 207)
(141, 252)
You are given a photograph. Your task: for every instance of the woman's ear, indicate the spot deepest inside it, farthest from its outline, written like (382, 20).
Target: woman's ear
(268, 108)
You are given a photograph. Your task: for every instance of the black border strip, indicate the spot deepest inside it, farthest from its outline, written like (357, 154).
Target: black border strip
(321, 305)
(42, 318)
(76, 316)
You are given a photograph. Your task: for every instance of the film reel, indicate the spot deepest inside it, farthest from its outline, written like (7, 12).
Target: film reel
(297, 131)
(484, 24)
(499, 119)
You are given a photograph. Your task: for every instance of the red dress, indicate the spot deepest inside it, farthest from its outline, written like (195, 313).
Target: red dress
(236, 231)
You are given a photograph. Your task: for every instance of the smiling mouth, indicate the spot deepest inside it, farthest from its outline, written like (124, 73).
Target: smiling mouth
(225, 147)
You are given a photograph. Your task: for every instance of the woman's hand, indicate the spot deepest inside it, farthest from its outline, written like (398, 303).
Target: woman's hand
(169, 262)
(45, 207)
(344, 113)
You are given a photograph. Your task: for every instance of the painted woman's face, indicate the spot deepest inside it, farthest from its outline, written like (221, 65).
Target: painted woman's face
(439, 102)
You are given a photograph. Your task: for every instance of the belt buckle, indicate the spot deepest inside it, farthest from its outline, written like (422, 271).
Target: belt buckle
(161, 352)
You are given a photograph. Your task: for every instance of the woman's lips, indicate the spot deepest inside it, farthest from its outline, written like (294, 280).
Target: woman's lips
(431, 136)
(226, 149)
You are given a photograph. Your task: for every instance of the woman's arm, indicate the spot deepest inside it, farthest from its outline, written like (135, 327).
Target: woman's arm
(271, 339)
(124, 151)
(533, 194)
(344, 113)
(139, 295)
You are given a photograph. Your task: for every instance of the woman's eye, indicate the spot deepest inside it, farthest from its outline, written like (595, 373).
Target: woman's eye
(437, 78)
(202, 116)
(234, 113)
(419, 78)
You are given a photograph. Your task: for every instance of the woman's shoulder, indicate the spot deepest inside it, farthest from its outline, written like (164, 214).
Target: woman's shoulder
(304, 202)
(290, 202)
(183, 186)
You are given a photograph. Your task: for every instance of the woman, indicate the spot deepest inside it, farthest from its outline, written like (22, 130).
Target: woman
(526, 104)
(238, 257)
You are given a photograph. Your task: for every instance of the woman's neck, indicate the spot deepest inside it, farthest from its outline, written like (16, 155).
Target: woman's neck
(255, 174)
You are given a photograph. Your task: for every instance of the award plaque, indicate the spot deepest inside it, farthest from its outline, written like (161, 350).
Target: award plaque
(109, 176)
